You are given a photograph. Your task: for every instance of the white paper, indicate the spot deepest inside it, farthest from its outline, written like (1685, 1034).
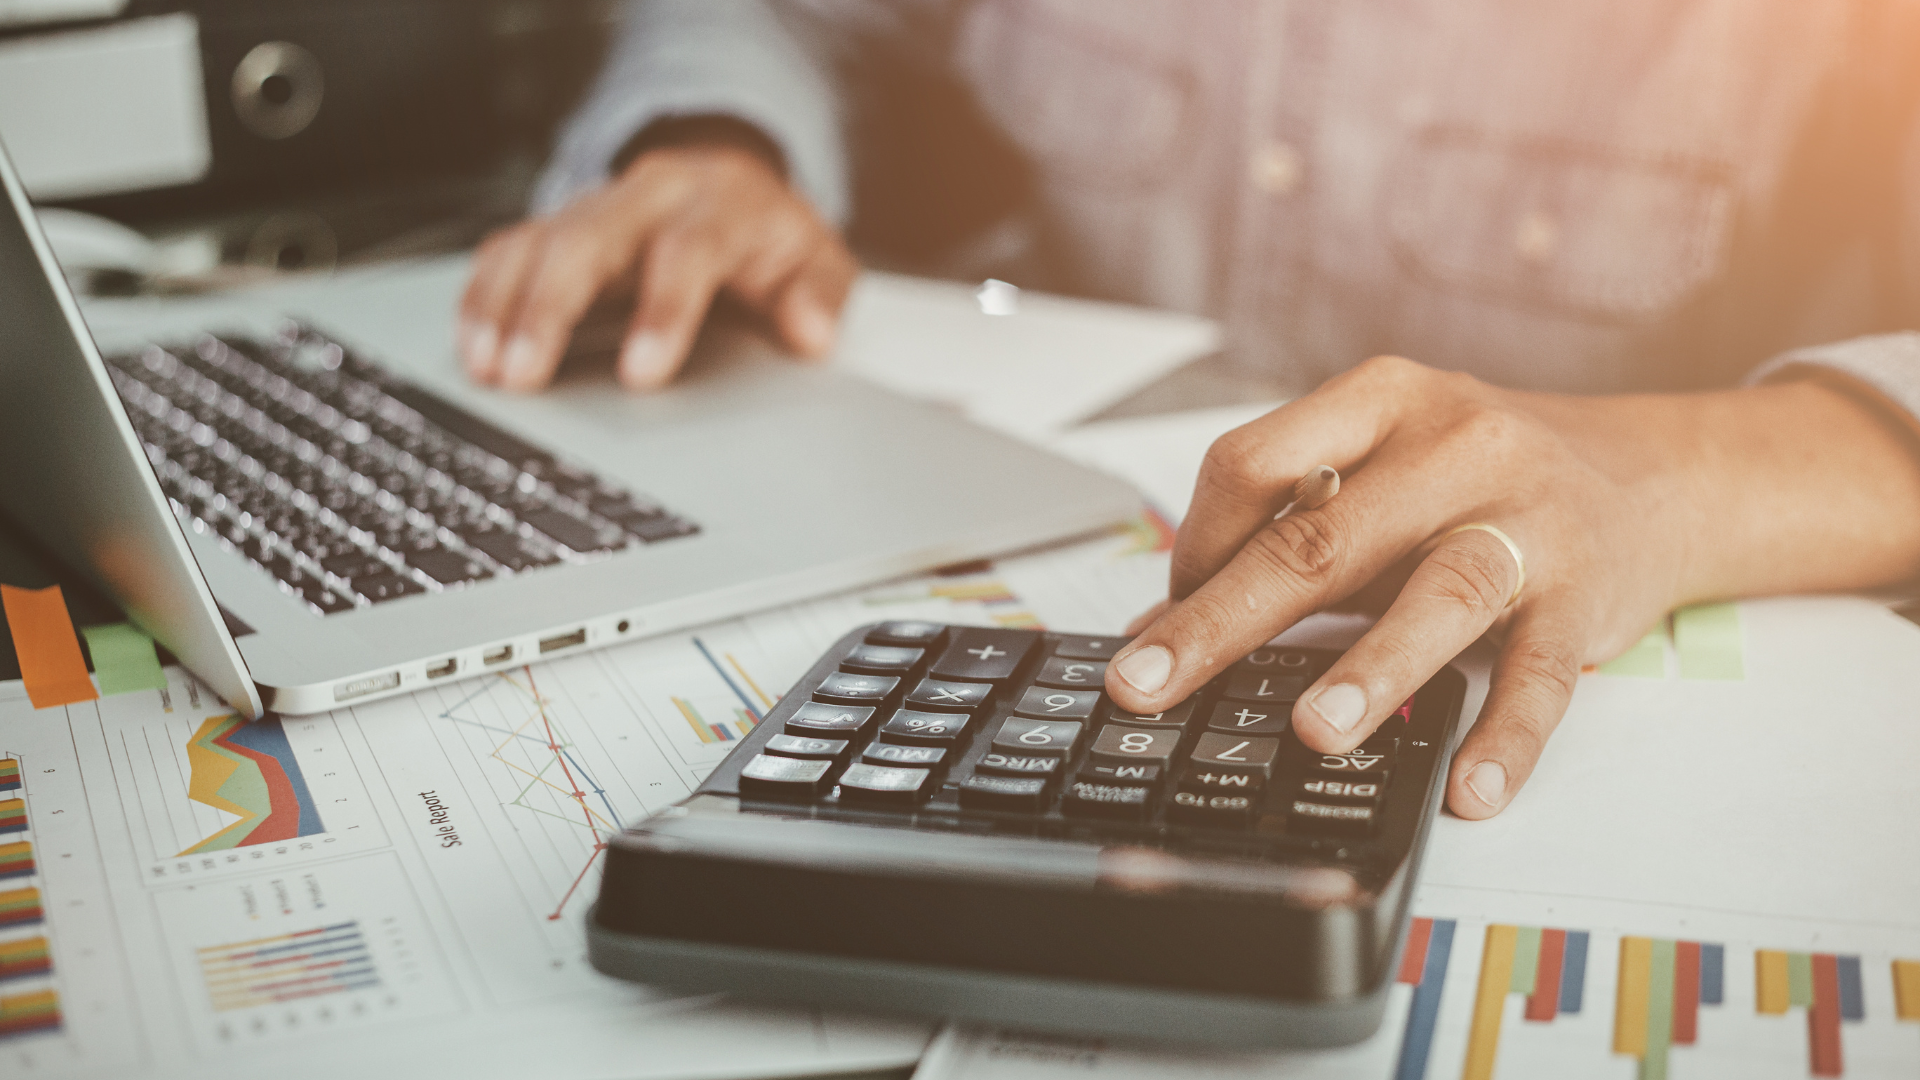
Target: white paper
(94, 112)
(1056, 361)
(30, 12)
(1160, 455)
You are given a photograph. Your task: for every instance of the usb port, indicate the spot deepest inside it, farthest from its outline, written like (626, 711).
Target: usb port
(563, 641)
(497, 656)
(444, 668)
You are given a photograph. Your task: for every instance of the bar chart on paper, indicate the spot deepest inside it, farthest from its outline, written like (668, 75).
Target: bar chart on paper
(1662, 986)
(1827, 986)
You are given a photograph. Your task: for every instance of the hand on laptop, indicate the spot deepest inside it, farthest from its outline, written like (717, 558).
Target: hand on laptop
(1623, 508)
(678, 226)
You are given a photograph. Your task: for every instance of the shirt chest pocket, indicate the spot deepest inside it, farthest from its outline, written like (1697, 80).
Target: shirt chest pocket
(1580, 229)
(1080, 89)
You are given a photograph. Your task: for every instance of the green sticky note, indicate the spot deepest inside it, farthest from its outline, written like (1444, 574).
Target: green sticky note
(1708, 642)
(1526, 960)
(1646, 660)
(123, 658)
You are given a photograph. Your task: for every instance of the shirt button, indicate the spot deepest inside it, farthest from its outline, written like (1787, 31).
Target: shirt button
(1276, 168)
(1536, 236)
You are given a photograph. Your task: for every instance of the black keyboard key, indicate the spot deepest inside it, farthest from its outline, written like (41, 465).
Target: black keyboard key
(822, 721)
(1242, 718)
(984, 655)
(1232, 753)
(1088, 648)
(1221, 782)
(1138, 775)
(505, 548)
(1335, 818)
(881, 660)
(1265, 688)
(913, 757)
(1177, 717)
(1360, 764)
(1012, 793)
(1085, 799)
(329, 602)
(769, 776)
(1119, 744)
(907, 632)
(664, 527)
(1028, 765)
(885, 784)
(842, 688)
(912, 728)
(384, 587)
(1019, 735)
(1072, 674)
(1058, 704)
(1277, 662)
(1346, 791)
(466, 426)
(354, 564)
(1210, 811)
(567, 530)
(806, 746)
(447, 567)
(943, 696)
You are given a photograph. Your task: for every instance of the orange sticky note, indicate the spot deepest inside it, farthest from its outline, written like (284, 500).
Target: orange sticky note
(50, 661)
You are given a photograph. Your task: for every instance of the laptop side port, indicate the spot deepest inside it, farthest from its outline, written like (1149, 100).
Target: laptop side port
(497, 656)
(563, 641)
(444, 668)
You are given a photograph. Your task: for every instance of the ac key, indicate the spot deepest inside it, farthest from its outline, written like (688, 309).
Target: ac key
(1361, 763)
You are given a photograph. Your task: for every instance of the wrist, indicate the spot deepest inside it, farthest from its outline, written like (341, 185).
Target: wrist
(702, 132)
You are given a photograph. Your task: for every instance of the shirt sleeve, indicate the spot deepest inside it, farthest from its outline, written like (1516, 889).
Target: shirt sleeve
(737, 58)
(1884, 366)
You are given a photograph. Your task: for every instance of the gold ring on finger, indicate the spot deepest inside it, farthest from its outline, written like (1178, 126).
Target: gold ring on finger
(1519, 560)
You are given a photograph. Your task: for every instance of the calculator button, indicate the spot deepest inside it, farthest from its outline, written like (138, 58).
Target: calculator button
(885, 784)
(1221, 782)
(806, 746)
(842, 688)
(984, 655)
(911, 633)
(917, 757)
(943, 696)
(1003, 793)
(1118, 743)
(1277, 662)
(1027, 765)
(830, 721)
(1333, 817)
(1089, 648)
(1175, 717)
(1233, 753)
(1245, 718)
(1265, 687)
(924, 728)
(1134, 773)
(881, 660)
(1086, 799)
(1072, 674)
(771, 777)
(1019, 735)
(1058, 704)
(1217, 811)
(1356, 791)
(1360, 764)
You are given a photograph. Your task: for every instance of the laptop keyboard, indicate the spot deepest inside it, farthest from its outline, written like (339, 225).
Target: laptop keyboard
(352, 487)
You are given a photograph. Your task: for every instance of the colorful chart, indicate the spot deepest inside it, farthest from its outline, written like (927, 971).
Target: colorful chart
(1906, 989)
(287, 967)
(1662, 986)
(16, 860)
(20, 907)
(1424, 966)
(9, 774)
(711, 732)
(22, 1014)
(1150, 533)
(980, 586)
(13, 815)
(24, 957)
(249, 770)
(1548, 966)
(1827, 986)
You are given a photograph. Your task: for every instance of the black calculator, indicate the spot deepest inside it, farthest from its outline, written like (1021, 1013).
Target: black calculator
(955, 821)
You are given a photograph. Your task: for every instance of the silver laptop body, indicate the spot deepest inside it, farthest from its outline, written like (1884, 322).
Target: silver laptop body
(766, 482)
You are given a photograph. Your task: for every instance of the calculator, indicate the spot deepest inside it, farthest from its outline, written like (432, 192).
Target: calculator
(956, 821)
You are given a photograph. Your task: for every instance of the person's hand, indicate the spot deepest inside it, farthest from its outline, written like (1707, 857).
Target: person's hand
(1622, 507)
(679, 225)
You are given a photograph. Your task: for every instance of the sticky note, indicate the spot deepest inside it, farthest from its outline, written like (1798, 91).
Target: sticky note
(51, 664)
(1647, 659)
(1708, 643)
(123, 658)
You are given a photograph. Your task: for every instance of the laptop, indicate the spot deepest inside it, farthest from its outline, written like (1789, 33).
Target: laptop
(305, 525)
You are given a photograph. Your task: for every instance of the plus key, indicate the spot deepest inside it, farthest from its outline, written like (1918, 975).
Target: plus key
(980, 655)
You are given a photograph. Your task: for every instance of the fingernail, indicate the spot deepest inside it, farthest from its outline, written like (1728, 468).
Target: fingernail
(644, 360)
(815, 330)
(478, 341)
(520, 364)
(1146, 670)
(1342, 706)
(1488, 782)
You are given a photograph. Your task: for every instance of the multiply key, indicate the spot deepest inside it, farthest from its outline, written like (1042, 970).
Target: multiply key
(1241, 718)
(1265, 688)
(984, 655)
(942, 696)
(841, 688)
